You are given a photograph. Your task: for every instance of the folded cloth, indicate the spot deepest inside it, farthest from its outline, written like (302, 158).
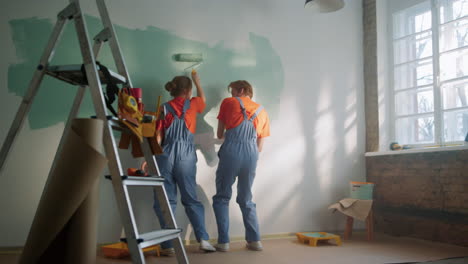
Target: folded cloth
(355, 208)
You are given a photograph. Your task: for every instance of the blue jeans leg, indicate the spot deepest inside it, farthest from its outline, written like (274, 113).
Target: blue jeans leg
(225, 177)
(185, 174)
(244, 199)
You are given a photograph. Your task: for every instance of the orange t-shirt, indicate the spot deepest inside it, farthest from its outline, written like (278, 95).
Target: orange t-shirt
(231, 115)
(196, 106)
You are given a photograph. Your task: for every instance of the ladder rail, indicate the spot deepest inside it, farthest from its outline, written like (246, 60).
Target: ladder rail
(149, 157)
(122, 196)
(113, 42)
(171, 223)
(165, 207)
(34, 84)
(99, 39)
(179, 247)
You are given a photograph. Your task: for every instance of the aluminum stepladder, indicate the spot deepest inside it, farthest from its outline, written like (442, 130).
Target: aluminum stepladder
(94, 78)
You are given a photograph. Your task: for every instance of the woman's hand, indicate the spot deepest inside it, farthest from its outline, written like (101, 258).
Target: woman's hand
(196, 80)
(221, 129)
(195, 77)
(260, 144)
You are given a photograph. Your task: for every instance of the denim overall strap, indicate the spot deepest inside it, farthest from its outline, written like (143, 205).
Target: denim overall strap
(185, 108)
(168, 108)
(242, 108)
(260, 108)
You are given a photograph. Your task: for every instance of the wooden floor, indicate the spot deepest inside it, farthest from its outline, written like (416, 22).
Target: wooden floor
(384, 249)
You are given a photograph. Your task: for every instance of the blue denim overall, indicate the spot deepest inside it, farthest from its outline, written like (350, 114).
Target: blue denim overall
(178, 167)
(237, 158)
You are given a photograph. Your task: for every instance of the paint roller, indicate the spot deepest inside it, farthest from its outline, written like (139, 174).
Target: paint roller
(197, 58)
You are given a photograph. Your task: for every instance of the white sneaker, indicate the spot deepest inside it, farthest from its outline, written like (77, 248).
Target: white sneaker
(168, 252)
(206, 246)
(223, 247)
(255, 245)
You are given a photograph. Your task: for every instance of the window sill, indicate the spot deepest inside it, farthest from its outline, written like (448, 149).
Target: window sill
(416, 150)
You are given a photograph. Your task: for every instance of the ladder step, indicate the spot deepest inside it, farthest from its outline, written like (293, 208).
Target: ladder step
(156, 237)
(140, 180)
(72, 74)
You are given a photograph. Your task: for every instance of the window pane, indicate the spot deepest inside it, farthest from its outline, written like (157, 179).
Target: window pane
(455, 125)
(413, 74)
(454, 64)
(412, 48)
(454, 35)
(452, 9)
(415, 130)
(412, 20)
(455, 94)
(416, 101)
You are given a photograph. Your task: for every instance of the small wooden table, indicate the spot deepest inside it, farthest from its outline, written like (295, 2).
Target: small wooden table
(369, 227)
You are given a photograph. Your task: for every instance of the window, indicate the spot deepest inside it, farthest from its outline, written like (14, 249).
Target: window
(430, 72)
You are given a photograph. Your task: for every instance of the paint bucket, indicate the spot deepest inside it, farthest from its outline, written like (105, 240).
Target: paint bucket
(361, 190)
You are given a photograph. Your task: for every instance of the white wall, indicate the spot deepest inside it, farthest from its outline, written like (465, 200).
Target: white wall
(317, 141)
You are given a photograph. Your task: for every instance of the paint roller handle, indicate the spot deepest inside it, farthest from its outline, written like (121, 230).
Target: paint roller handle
(196, 80)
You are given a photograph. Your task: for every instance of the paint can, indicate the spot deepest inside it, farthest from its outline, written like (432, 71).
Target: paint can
(361, 190)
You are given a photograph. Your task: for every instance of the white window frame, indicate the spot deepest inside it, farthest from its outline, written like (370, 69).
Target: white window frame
(436, 85)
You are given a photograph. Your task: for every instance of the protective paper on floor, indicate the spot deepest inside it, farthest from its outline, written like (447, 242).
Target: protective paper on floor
(64, 227)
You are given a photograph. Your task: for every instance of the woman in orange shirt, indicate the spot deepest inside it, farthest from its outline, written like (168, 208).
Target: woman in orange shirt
(243, 124)
(178, 162)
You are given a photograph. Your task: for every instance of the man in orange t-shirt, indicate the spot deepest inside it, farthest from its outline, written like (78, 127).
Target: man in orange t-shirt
(243, 124)
(230, 114)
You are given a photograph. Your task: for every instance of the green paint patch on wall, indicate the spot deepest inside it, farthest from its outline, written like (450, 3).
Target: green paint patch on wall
(149, 57)
(53, 101)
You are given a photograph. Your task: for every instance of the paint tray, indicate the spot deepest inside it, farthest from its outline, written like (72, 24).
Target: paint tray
(120, 250)
(312, 238)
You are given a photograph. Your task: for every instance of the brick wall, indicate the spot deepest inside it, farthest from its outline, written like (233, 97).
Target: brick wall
(423, 195)
(371, 95)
